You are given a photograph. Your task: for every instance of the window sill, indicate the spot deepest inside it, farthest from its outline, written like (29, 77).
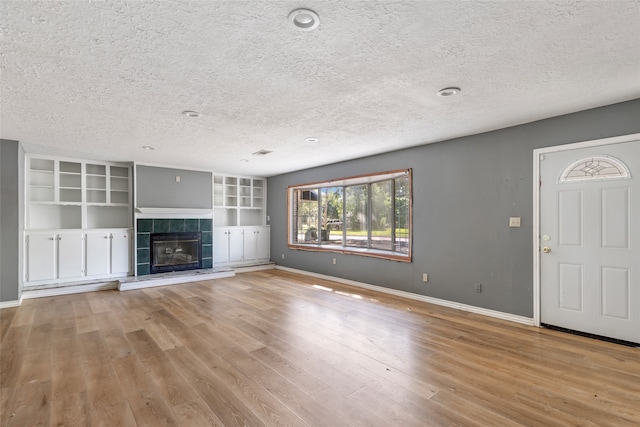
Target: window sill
(393, 256)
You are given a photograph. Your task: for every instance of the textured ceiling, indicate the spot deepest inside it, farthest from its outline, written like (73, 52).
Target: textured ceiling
(101, 79)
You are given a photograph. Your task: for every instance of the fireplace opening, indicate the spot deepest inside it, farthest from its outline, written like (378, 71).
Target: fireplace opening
(175, 252)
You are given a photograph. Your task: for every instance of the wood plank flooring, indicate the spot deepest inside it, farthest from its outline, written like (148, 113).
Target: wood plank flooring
(272, 348)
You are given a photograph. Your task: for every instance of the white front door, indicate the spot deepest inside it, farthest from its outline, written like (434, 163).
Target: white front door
(590, 240)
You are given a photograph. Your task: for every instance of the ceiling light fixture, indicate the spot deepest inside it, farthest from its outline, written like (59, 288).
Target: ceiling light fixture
(244, 160)
(311, 139)
(304, 19)
(449, 91)
(148, 147)
(192, 114)
(262, 153)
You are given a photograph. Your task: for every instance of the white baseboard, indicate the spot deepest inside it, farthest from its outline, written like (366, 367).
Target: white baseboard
(148, 282)
(451, 304)
(67, 290)
(9, 304)
(251, 268)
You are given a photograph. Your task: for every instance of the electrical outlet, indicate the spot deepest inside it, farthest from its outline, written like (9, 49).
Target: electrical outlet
(282, 256)
(478, 287)
(334, 261)
(425, 277)
(514, 221)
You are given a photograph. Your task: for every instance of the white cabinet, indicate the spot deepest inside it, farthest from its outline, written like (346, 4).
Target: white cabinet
(77, 220)
(71, 255)
(41, 257)
(108, 253)
(97, 254)
(53, 256)
(256, 243)
(227, 245)
(240, 245)
(120, 249)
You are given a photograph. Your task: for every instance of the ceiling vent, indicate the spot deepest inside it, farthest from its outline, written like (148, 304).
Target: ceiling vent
(262, 153)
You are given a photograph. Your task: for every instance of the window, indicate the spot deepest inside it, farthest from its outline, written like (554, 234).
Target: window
(366, 215)
(595, 168)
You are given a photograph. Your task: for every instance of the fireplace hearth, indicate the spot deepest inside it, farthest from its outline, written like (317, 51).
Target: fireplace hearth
(175, 251)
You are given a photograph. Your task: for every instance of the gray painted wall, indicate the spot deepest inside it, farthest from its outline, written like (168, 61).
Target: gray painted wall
(156, 187)
(464, 191)
(11, 219)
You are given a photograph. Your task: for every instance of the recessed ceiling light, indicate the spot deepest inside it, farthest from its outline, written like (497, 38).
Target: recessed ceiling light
(449, 91)
(148, 147)
(244, 160)
(262, 153)
(311, 139)
(192, 114)
(304, 19)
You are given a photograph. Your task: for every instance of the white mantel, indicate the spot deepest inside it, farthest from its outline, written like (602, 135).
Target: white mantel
(182, 213)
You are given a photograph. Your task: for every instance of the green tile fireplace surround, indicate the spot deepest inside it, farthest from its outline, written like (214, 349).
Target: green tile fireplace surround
(147, 226)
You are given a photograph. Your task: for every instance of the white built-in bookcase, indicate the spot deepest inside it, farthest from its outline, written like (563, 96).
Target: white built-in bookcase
(76, 194)
(239, 201)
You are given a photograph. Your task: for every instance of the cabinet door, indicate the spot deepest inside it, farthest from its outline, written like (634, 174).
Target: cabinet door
(220, 245)
(120, 252)
(250, 243)
(40, 257)
(70, 255)
(256, 243)
(236, 244)
(263, 243)
(97, 254)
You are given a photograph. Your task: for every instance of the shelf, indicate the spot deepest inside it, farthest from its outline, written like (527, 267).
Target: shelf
(92, 169)
(70, 180)
(42, 165)
(121, 197)
(238, 201)
(55, 216)
(70, 167)
(119, 172)
(96, 182)
(76, 194)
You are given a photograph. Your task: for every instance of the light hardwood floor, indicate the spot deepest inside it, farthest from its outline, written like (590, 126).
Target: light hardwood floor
(272, 348)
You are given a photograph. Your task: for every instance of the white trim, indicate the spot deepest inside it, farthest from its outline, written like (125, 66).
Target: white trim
(250, 268)
(145, 213)
(9, 304)
(67, 290)
(536, 202)
(451, 304)
(150, 282)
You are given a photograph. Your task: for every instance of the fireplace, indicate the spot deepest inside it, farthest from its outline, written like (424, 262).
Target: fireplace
(145, 227)
(175, 251)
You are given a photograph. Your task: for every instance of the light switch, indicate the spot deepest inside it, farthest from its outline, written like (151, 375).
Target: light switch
(514, 221)
(177, 178)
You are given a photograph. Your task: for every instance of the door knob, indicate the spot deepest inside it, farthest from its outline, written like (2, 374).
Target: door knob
(546, 249)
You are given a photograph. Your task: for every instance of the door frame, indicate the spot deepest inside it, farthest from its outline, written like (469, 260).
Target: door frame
(536, 202)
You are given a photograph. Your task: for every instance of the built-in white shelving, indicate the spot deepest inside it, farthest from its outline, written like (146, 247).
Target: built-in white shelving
(71, 205)
(238, 201)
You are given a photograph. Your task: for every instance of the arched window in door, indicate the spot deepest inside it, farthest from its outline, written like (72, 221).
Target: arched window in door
(595, 168)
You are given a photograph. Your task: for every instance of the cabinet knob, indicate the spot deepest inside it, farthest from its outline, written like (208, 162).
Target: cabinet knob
(51, 238)
(106, 237)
